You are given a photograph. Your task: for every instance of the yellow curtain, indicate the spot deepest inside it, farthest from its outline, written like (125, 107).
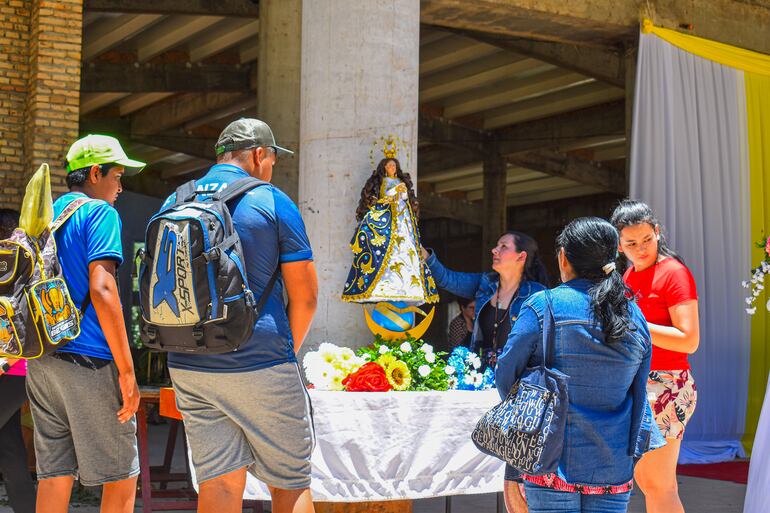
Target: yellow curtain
(758, 114)
(739, 58)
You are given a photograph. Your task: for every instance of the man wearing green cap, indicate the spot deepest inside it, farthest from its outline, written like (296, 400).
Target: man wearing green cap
(83, 397)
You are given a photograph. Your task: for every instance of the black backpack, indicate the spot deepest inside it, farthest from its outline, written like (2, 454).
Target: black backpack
(37, 315)
(193, 290)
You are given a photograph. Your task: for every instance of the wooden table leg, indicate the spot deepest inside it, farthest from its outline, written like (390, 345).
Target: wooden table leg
(144, 457)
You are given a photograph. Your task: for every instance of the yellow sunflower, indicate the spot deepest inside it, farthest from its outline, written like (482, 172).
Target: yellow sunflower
(399, 375)
(386, 360)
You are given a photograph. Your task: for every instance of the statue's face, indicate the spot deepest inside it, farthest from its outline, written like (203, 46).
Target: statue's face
(390, 168)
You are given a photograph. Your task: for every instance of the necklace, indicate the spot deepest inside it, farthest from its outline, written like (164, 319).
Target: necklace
(499, 321)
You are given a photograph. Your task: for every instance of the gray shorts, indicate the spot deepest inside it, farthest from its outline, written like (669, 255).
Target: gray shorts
(77, 432)
(259, 419)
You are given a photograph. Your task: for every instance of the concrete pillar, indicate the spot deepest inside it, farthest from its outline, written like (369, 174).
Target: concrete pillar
(39, 90)
(278, 92)
(495, 204)
(360, 63)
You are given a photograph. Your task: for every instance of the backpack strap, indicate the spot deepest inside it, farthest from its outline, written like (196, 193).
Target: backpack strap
(266, 293)
(237, 188)
(70, 209)
(185, 192)
(57, 223)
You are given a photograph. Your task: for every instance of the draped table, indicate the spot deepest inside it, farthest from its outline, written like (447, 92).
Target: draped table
(373, 446)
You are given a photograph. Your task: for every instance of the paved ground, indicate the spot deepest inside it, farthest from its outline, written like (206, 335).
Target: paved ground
(698, 495)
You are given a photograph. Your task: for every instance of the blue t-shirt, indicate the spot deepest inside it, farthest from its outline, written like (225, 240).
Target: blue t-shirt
(91, 233)
(272, 233)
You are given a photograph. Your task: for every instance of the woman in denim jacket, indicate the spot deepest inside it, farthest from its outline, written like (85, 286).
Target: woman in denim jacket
(603, 345)
(518, 273)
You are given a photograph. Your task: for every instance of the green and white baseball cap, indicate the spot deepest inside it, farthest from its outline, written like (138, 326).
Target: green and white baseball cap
(247, 133)
(100, 149)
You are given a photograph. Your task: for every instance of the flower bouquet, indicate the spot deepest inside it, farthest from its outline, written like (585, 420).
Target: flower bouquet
(464, 367)
(409, 364)
(383, 366)
(757, 282)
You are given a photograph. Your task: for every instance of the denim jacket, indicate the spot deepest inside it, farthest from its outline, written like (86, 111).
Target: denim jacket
(481, 286)
(609, 421)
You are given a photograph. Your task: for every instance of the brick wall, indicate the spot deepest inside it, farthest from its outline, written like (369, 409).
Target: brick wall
(40, 44)
(14, 56)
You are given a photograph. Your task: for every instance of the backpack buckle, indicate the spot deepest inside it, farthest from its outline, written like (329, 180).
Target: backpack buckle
(197, 333)
(213, 254)
(152, 332)
(249, 296)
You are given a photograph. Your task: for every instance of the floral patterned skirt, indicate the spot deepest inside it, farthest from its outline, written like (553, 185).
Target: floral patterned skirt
(672, 395)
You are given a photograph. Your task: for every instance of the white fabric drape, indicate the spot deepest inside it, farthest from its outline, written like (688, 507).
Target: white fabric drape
(377, 446)
(689, 162)
(758, 488)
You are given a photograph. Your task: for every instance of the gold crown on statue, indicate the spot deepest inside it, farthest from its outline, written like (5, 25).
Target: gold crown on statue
(388, 144)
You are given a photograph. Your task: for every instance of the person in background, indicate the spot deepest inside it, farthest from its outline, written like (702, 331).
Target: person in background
(13, 453)
(461, 327)
(603, 345)
(517, 273)
(665, 291)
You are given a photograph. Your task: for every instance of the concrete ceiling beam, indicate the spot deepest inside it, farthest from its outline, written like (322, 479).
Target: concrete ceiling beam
(606, 120)
(223, 36)
(157, 78)
(452, 51)
(205, 7)
(94, 101)
(571, 191)
(184, 168)
(444, 132)
(110, 32)
(493, 68)
(550, 104)
(172, 32)
(508, 92)
(608, 23)
(178, 110)
(442, 206)
(136, 102)
(607, 65)
(572, 168)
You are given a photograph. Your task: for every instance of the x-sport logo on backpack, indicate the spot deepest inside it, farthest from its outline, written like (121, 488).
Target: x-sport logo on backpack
(172, 298)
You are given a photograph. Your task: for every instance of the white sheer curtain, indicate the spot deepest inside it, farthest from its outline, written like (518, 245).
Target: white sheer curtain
(689, 162)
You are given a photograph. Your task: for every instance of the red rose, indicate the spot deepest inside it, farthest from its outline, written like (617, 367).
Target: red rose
(370, 377)
(767, 246)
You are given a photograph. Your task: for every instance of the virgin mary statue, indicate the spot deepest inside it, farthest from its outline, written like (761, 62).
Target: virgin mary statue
(387, 265)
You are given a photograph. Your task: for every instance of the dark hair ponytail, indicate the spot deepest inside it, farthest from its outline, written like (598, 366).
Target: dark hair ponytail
(630, 213)
(590, 244)
(534, 270)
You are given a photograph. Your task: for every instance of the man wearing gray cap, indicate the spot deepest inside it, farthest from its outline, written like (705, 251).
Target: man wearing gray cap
(249, 409)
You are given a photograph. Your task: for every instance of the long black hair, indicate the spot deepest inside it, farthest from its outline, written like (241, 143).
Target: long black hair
(534, 270)
(590, 243)
(630, 213)
(371, 191)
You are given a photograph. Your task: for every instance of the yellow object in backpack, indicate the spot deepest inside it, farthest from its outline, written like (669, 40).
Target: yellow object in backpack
(37, 207)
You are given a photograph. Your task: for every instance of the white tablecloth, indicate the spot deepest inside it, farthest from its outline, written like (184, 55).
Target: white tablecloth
(758, 488)
(397, 445)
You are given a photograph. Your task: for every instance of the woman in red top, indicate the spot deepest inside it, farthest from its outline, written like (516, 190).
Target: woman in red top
(665, 292)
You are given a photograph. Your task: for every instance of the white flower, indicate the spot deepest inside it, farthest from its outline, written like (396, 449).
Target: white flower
(767, 305)
(452, 382)
(346, 354)
(756, 292)
(426, 348)
(752, 311)
(365, 357)
(745, 284)
(468, 379)
(328, 352)
(430, 357)
(478, 379)
(406, 347)
(760, 286)
(423, 370)
(384, 349)
(749, 300)
(449, 370)
(475, 361)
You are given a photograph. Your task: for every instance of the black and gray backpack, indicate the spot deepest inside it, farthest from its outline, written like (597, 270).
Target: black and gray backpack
(193, 289)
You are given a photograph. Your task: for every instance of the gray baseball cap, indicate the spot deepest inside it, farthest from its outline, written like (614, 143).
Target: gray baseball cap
(247, 133)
